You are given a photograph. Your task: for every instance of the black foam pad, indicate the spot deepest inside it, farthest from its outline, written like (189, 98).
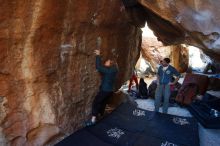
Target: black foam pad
(175, 129)
(129, 117)
(203, 114)
(131, 126)
(82, 138)
(147, 140)
(113, 134)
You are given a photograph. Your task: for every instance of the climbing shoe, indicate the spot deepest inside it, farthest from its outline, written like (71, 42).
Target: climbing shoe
(89, 123)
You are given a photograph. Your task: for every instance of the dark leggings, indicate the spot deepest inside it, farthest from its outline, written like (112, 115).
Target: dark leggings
(100, 102)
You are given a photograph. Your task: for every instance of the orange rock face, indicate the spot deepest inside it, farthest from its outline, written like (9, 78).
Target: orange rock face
(47, 69)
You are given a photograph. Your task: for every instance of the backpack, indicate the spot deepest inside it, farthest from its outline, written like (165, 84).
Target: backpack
(187, 93)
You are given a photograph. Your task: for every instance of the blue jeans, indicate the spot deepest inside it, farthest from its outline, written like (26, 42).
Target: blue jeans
(162, 90)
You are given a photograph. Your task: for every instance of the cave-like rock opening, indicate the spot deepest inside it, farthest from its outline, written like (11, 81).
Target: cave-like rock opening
(182, 56)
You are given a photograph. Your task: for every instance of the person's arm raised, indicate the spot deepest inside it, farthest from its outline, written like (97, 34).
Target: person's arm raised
(99, 66)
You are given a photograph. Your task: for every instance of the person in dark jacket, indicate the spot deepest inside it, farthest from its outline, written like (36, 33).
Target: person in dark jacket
(143, 92)
(108, 71)
(164, 76)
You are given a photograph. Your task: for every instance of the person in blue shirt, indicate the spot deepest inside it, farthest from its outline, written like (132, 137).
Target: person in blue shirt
(164, 76)
(108, 71)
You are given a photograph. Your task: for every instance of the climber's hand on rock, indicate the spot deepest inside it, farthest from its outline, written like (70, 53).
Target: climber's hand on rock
(117, 92)
(97, 52)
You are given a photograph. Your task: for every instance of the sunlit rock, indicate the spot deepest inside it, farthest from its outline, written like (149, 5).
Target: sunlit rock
(153, 51)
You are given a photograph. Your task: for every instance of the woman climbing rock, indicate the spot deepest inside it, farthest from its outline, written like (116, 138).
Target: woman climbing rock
(108, 71)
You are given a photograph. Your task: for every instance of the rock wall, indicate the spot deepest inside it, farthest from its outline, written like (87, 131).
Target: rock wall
(193, 22)
(154, 51)
(47, 68)
(180, 57)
